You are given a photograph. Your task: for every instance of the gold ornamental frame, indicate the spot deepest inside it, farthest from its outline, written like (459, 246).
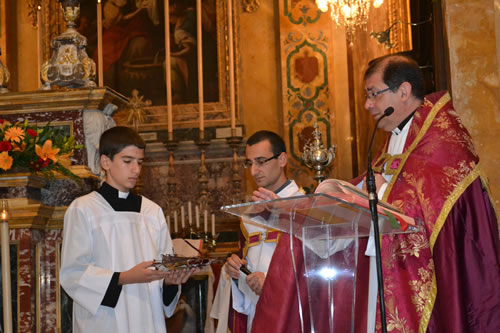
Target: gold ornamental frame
(216, 114)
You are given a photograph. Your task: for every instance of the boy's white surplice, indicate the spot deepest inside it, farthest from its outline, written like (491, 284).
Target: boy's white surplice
(99, 241)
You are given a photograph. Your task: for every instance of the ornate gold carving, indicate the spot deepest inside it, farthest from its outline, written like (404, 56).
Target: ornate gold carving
(4, 77)
(33, 8)
(69, 65)
(137, 111)
(250, 6)
(71, 14)
(53, 101)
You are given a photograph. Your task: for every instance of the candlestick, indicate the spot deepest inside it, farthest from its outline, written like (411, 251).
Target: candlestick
(6, 286)
(168, 224)
(39, 43)
(213, 225)
(170, 125)
(200, 64)
(100, 61)
(190, 214)
(197, 215)
(183, 225)
(175, 222)
(231, 67)
(205, 221)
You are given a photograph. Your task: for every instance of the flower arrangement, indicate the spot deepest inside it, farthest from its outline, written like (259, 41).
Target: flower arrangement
(45, 150)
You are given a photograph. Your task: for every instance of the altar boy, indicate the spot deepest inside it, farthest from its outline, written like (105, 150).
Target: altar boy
(111, 237)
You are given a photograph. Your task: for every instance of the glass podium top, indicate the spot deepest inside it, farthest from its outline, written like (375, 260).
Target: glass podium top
(292, 214)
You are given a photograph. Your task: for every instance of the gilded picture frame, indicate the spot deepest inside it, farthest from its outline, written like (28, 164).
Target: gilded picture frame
(217, 111)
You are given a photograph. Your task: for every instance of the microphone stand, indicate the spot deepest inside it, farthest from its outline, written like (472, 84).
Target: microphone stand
(373, 200)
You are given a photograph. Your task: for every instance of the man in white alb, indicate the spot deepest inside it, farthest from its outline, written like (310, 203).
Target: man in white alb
(266, 159)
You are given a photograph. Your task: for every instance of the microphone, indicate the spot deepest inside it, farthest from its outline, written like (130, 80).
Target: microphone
(373, 200)
(387, 113)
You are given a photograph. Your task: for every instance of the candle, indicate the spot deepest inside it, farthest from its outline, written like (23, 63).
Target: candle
(168, 224)
(190, 214)
(100, 70)
(197, 215)
(231, 67)
(6, 286)
(167, 71)
(213, 225)
(175, 222)
(39, 42)
(183, 225)
(200, 66)
(205, 221)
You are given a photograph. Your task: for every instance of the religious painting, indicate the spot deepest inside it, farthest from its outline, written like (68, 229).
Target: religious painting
(133, 52)
(64, 128)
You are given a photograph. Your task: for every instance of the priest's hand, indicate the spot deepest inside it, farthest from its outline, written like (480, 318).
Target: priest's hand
(263, 194)
(141, 273)
(233, 265)
(379, 181)
(180, 276)
(256, 281)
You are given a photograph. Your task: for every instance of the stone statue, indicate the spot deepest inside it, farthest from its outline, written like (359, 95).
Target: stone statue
(4, 77)
(95, 122)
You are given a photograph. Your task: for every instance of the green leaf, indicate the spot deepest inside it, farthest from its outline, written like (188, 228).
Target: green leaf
(392, 220)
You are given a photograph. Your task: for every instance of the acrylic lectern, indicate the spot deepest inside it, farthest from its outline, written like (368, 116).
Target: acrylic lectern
(329, 229)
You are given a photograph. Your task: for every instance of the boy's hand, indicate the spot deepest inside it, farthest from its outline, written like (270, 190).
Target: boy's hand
(233, 266)
(141, 273)
(180, 276)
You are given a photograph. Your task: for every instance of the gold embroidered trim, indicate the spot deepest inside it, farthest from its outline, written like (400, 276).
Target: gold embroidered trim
(450, 202)
(429, 306)
(247, 236)
(272, 240)
(386, 159)
(438, 225)
(427, 123)
(486, 185)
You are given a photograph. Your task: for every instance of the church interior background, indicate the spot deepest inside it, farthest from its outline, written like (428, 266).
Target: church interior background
(283, 66)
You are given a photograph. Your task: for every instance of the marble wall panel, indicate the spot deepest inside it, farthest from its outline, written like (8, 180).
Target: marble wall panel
(475, 77)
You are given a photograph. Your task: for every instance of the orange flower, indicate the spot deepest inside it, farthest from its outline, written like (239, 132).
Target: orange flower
(5, 161)
(4, 123)
(46, 151)
(14, 134)
(65, 161)
(20, 147)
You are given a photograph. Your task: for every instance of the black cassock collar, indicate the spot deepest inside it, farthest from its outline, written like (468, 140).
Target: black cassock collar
(131, 204)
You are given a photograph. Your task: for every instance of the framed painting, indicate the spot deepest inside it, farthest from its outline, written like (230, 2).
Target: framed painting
(63, 127)
(133, 53)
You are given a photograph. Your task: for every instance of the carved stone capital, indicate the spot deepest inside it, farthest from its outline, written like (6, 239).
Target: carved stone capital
(250, 6)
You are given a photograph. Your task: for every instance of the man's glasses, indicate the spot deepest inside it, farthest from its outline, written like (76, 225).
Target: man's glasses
(372, 94)
(259, 161)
